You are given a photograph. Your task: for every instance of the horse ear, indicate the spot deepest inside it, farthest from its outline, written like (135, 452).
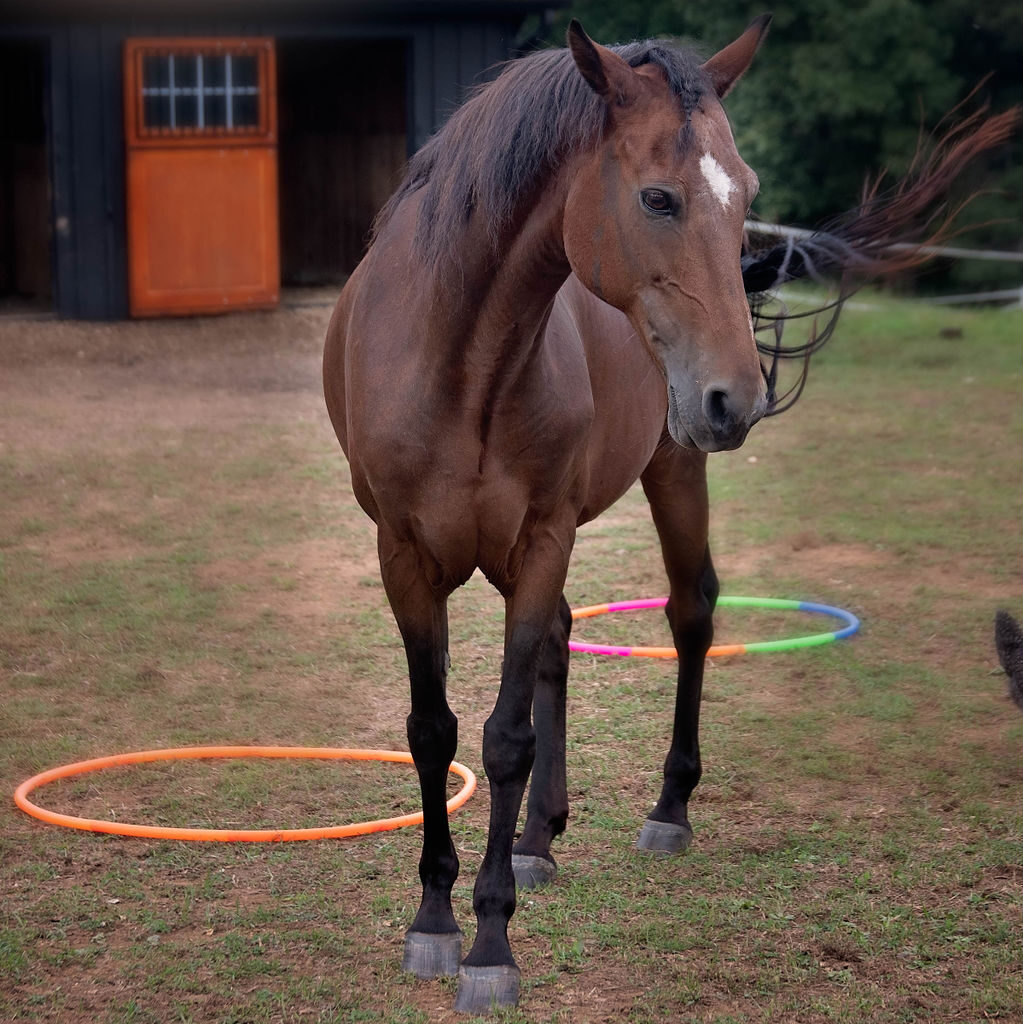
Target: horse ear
(727, 66)
(608, 75)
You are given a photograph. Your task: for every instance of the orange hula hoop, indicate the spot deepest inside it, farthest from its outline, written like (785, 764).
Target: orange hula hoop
(222, 834)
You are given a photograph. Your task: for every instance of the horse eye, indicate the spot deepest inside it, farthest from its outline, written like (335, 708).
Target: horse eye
(657, 201)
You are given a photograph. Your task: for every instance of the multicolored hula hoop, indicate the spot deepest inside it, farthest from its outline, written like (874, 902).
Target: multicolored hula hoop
(852, 624)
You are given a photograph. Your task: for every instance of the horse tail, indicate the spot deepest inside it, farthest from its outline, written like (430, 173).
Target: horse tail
(890, 231)
(1009, 645)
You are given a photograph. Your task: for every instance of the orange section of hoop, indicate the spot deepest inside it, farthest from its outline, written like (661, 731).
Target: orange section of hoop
(590, 611)
(717, 651)
(222, 834)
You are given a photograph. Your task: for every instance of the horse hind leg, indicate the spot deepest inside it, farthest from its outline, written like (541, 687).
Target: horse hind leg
(547, 805)
(676, 487)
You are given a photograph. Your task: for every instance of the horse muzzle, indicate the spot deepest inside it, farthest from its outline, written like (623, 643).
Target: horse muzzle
(714, 419)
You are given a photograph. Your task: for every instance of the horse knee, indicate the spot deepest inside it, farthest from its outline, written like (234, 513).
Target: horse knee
(691, 618)
(432, 737)
(508, 750)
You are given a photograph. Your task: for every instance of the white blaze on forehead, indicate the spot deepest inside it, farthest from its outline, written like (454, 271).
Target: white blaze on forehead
(717, 178)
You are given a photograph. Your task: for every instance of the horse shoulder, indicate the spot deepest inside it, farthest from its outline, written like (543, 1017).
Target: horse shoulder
(627, 391)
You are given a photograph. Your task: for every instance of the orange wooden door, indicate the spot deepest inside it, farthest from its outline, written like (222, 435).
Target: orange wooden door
(201, 132)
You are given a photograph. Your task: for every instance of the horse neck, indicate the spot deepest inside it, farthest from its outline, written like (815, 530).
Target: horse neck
(491, 302)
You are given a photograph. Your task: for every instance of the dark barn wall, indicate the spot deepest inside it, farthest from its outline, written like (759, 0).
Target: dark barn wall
(449, 59)
(87, 152)
(24, 172)
(85, 114)
(351, 111)
(342, 110)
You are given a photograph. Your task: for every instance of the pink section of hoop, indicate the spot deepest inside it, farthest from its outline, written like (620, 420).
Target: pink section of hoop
(629, 606)
(607, 648)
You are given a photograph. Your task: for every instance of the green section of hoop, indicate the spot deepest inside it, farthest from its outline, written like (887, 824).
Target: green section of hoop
(785, 604)
(779, 604)
(814, 640)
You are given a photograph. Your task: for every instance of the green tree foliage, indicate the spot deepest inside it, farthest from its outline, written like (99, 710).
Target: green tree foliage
(844, 88)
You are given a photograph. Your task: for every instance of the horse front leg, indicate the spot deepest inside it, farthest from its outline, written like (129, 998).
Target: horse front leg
(547, 805)
(433, 944)
(489, 976)
(675, 483)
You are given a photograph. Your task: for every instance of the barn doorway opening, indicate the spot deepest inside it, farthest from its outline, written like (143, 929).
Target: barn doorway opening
(342, 109)
(26, 273)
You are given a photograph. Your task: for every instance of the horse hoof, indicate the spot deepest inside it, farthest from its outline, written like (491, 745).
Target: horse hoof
(533, 872)
(664, 837)
(429, 955)
(485, 989)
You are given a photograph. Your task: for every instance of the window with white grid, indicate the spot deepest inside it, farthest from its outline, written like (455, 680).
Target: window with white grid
(206, 92)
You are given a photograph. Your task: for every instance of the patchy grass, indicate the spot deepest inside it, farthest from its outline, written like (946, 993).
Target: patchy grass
(181, 562)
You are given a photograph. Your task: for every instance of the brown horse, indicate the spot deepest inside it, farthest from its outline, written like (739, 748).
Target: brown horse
(552, 307)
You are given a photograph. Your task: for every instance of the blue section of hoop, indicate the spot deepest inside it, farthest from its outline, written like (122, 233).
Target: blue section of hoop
(852, 623)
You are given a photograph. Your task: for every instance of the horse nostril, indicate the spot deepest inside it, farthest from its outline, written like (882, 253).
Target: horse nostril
(728, 415)
(716, 408)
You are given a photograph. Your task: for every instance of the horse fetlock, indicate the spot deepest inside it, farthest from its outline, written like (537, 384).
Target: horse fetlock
(542, 827)
(494, 907)
(558, 823)
(682, 773)
(438, 872)
(435, 915)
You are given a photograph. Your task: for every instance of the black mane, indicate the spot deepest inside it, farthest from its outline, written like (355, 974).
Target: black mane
(507, 139)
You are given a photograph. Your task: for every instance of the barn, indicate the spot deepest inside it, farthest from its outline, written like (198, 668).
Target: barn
(179, 156)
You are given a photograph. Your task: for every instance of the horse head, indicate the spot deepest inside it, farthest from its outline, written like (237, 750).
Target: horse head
(653, 225)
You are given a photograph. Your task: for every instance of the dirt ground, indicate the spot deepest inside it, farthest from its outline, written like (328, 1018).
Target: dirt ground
(64, 384)
(174, 371)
